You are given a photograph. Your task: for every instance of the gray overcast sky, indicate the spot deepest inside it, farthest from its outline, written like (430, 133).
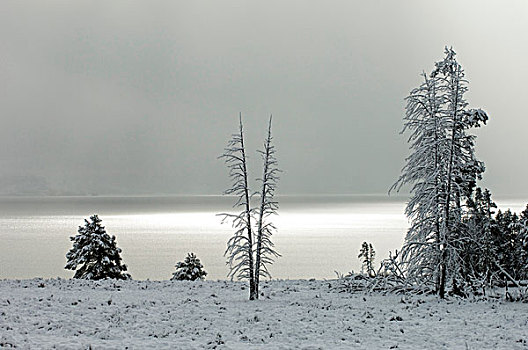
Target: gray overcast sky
(141, 97)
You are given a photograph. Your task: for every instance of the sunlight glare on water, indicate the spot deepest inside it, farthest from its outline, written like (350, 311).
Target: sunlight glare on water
(316, 235)
(155, 233)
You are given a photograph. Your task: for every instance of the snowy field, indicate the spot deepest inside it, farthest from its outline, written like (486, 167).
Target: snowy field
(297, 314)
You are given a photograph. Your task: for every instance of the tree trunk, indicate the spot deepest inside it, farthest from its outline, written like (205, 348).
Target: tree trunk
(443, 271)
(260, 222)
(263, 195)
(252, 292)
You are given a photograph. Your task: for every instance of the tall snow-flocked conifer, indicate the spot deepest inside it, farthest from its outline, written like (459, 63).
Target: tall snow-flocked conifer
(442, 171)
(461, 165)
(424, 171)
(95, 254)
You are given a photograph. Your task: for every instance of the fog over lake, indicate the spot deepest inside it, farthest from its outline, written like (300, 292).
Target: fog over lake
(137, 98)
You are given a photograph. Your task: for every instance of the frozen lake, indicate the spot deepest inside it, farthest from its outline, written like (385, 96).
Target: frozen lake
(316, 236)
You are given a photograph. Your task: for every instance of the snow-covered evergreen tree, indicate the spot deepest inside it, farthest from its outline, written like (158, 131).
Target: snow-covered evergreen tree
(507, 234)
(191, 269)
(493, 248)
(442, 170)
(95, 254)
(478, 246)
(523, 236)
(461, 165)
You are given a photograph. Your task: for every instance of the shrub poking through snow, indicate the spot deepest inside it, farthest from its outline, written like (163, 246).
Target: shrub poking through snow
(189, 270)
(96, 252)
(367, 255)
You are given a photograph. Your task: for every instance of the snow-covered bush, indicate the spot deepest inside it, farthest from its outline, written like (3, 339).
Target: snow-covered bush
(96, 252)
(189, 270)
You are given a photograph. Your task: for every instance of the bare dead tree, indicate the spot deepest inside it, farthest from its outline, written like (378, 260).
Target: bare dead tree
(240, 246)
(250, 250)
(265, 251)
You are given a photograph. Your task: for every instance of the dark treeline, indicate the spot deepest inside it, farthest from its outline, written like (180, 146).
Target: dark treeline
(493, 245)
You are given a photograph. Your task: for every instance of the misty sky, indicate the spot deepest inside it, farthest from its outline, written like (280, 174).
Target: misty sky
(141, 97)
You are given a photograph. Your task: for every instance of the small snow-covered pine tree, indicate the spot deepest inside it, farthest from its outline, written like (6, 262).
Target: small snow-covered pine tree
(96, 252)
(189, 270)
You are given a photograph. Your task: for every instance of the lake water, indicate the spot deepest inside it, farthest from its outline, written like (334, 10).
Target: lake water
(316, 236)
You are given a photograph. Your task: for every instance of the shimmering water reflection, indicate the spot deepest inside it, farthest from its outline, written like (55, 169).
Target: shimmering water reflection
(317, 235)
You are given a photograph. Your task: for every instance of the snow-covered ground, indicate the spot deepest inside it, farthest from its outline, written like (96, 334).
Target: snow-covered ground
(74, 314)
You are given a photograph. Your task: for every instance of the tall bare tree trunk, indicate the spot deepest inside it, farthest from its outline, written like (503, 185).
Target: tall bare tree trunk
(263, 196)
(264, 250)
(240, 250)
(447, 230)
(253, 293)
